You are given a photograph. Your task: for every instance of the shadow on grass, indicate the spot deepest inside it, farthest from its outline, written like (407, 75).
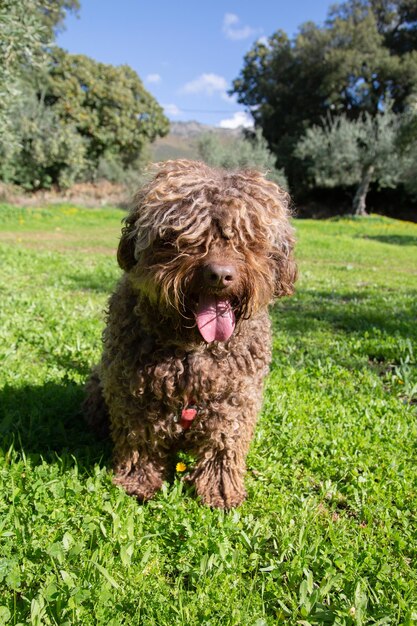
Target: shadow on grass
(350, 312)
(45, 421)
(397, 240)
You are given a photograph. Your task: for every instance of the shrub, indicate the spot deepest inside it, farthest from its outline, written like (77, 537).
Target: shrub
(243, 151)
(44, 150)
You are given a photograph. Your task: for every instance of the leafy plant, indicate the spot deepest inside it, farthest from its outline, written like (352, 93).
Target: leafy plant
(45, 150)
(344, 152)
(245, 151)
(363, 54)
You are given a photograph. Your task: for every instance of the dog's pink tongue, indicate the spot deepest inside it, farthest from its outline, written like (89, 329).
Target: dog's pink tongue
(215, 318)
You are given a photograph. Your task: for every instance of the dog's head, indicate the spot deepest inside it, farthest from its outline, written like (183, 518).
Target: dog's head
(209, 245)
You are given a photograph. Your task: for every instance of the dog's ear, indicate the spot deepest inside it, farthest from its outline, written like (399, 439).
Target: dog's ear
(285, 269)
(126, 250)
(137, 232)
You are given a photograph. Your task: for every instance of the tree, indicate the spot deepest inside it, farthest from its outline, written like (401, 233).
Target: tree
(408, 145)
(365, 55)
(65, 116)
(244, 151)
(54, 12)
(45, 150)
(108, 105)
(76, 120)
(369, 60)
(345, 152)
(27, 28)
(281, 84)
(27, 33)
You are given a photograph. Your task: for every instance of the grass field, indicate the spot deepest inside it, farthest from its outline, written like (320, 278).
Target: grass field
(328, 534)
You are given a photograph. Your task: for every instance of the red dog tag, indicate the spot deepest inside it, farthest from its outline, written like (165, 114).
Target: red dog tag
(187, 416)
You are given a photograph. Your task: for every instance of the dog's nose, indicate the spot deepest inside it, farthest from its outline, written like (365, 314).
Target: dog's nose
(216, 275)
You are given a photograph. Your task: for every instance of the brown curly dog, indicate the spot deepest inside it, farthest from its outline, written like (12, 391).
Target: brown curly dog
(188, 339)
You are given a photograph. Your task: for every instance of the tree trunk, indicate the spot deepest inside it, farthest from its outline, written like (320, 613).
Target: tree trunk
(359, 200)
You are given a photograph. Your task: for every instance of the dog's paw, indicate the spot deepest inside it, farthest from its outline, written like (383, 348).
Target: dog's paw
(139, 484)
(221, 501)
(222, 489)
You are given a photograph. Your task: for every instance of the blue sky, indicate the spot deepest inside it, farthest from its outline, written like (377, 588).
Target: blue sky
(187, 52)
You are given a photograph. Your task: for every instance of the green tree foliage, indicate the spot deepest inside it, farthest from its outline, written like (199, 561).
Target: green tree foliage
(45, 151)
(26, 31)
(87, 119)
(54, 12)
(33, 142)
(408, 146)
(108, 105)
(21, 46)
(344, 152)
(65, 117)
(365, 54)
(368, 57)
(240, 152)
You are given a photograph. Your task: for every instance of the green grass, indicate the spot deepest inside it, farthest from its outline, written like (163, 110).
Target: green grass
(328, 534)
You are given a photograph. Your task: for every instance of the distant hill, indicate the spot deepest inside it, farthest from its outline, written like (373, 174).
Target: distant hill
(182, 140)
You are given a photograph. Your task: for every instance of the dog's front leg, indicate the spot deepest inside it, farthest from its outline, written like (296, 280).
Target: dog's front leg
(221, 450)
(140, 465)
(219, 482)
(139, 475)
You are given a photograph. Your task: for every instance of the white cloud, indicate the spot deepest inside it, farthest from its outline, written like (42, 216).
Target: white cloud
(172, 109)
(153, 78)
(232, 29)
(206, 83)
(239, 119)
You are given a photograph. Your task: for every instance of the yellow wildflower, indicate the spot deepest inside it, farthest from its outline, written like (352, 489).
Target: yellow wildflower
(181, 467)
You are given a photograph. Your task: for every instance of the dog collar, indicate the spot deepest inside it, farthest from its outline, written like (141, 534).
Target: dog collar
(188, 414)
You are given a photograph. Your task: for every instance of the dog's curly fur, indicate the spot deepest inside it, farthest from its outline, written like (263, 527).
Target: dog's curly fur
(155, 361)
